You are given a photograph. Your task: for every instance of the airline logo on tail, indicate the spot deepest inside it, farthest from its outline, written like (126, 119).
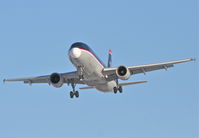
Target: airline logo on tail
(109, 58)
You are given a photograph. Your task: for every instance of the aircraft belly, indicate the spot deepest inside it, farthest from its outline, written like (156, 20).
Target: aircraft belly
(91, 69)
(107, 87)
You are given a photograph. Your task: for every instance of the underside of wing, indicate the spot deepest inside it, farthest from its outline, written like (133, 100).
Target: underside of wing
(70, 77)
(157, 66)
(39, 79)
(111, 72)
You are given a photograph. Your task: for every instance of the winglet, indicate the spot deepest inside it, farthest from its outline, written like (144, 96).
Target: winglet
(4, 80)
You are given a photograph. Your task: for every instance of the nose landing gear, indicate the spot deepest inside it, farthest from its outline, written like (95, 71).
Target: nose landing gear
(80, 71)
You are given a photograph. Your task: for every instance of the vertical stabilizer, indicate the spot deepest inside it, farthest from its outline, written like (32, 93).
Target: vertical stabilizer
(109, 58)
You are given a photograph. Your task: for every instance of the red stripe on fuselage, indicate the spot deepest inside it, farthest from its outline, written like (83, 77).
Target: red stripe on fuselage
(92, 55)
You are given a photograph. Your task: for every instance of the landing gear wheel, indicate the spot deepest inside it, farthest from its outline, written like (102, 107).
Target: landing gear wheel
(76, 94)
(71, 94)
(115, 90)
(120, 89)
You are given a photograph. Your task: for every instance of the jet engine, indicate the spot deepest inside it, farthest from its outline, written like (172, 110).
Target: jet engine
(56, 80)
(123, 73)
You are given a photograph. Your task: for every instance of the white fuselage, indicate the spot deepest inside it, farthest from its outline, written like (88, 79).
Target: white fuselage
(91, 69)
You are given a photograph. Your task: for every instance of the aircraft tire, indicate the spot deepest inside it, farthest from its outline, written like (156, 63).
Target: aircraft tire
(120, 89)
(76, 94)
(115, 90)
(71, 94)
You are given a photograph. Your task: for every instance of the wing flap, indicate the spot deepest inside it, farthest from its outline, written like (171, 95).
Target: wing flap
(137, 70)
(158, 66)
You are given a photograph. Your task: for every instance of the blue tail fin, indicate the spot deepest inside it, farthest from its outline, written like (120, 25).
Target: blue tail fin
(109, 58)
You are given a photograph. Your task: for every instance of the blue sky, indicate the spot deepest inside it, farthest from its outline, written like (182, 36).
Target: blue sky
(35, 36)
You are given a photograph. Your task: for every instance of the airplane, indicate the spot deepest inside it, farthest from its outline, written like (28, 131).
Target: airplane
(92, 72)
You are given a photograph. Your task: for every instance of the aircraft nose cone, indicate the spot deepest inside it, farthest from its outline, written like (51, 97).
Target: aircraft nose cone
(75, 53)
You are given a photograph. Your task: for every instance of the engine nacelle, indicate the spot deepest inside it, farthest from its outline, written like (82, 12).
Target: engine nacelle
(56, 80)
(123, 73)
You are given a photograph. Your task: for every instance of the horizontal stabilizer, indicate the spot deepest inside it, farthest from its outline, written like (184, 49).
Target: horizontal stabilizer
(120, 84)
(131, 83)
(88, 87)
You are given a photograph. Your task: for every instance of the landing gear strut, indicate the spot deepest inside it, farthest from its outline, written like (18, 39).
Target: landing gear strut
(74, 93)
(81, 70)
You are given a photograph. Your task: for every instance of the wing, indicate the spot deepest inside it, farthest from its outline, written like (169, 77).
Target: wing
(111, 72)
(70, 77)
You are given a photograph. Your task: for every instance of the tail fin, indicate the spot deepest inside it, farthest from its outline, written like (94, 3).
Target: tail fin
(109, 58)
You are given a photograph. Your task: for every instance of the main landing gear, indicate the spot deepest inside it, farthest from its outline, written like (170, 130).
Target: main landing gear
(81, 77)
(116, 89)
(74, 93)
